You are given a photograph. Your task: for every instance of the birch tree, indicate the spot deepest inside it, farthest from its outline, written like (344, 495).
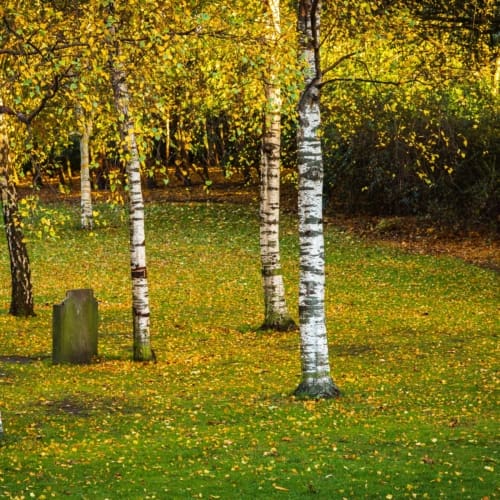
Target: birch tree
(316, 379)
(276, 315)
(22, 303)
(142, 350)
(86, 216)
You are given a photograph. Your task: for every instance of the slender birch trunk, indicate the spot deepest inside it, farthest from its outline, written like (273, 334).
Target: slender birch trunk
(140, 292)
(86, 216)
(316, 378)
(276, 315)
(496, 76)
(20, 270)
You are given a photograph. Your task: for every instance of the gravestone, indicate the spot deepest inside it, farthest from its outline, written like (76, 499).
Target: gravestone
(74, 328)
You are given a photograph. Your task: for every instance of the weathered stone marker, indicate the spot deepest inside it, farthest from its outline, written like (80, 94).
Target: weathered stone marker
(74, 328)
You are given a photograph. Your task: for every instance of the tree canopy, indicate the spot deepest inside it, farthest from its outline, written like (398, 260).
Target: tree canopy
(410, 91)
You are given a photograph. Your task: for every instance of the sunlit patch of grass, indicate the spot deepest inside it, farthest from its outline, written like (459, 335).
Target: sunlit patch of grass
(412, 342)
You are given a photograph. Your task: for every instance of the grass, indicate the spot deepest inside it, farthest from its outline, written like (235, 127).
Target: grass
(412, 344)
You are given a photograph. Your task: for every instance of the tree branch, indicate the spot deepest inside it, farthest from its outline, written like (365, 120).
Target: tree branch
(340, 61)
(27, 119)
(375, 81)
(362, 80)
(6, 110)
(18, 37)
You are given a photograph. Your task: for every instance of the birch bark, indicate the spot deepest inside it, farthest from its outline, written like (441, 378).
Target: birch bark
(140, 292)
(316, 379)
(276, 315)
(20, 270)
(86, 218)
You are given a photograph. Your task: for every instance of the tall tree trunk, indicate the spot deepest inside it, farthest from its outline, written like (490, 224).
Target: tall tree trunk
(496, 76)
(276, 315)
(86, 216)
(140, 292)
(316, 379)
(20, 271)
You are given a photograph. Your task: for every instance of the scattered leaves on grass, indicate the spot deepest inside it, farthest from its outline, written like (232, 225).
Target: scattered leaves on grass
(215, 416)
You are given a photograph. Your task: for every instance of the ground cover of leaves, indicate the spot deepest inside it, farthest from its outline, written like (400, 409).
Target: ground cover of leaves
(413, 348)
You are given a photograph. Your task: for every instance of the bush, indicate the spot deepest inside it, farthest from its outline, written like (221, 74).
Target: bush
(407, 152)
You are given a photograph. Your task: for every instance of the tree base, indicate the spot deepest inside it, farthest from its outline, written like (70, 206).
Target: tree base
(86, 226)
(317, 389)
(281, 324)
(22, 311)
(144, 353)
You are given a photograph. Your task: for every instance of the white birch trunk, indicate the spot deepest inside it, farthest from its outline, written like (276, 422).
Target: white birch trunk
(87, 220)
(316, 378)
(140, 292)
(276, 312)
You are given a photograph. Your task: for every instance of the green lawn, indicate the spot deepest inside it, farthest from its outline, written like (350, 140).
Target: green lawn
(412, 344)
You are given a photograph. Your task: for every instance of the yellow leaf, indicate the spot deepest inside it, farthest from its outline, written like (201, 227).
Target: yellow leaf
(279, 488)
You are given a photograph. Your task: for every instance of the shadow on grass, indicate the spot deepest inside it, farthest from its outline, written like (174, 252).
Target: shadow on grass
(85, 405)
(23, 360)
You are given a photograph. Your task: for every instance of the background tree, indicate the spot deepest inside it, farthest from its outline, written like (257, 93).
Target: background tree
(85, 126)
(276, 315)
(142, 350)
(20, 270)
(409, 112)
(29, 79)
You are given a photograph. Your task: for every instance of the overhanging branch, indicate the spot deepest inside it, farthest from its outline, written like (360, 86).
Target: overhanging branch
(27, 119)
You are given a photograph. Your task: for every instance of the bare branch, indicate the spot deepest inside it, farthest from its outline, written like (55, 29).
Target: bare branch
(340, 61)
(16, 53)
(362, 80)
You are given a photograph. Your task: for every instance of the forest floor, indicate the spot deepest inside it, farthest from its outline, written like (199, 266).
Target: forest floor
(412, 339)
(479, 245)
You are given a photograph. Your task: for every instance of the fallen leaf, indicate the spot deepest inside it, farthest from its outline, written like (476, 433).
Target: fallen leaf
(279, 488)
